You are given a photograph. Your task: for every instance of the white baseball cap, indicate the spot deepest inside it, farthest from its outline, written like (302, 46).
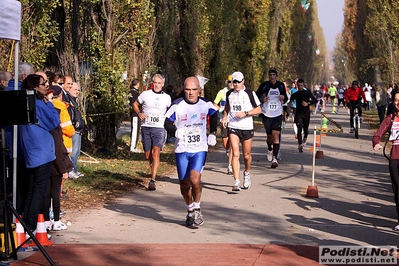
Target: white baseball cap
(238, 76)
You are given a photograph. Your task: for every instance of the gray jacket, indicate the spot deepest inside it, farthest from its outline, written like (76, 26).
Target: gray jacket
(380, 97)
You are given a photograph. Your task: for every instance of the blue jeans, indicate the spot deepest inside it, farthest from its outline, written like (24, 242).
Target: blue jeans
(38, 180)
(76, 145)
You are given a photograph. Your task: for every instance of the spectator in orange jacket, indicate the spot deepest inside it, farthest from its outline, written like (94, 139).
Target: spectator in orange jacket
(68, 130)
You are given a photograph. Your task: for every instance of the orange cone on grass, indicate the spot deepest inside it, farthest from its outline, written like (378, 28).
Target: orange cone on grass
(21, 238)
(41, 232)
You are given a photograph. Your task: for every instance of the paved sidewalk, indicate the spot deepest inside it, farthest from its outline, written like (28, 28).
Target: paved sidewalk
(271, 223)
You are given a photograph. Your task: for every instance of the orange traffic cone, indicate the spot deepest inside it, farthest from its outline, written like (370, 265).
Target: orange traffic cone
(21, 238)
(312, 192)
(317, 143)
(41, 232)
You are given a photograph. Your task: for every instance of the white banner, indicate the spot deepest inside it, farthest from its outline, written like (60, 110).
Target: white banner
(10, 20)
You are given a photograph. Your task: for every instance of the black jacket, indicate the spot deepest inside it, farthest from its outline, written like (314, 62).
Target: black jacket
(62, 163)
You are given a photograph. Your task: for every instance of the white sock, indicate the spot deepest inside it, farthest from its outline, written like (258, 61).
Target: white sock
(190, 207)
(197, 205)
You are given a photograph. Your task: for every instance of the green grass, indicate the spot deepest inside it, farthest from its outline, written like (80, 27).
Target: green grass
(371, 117)
(113, 176)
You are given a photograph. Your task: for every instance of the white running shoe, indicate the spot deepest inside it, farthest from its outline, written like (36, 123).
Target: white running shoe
(247, 181)
(49, 225)
(58, 226)
(396, 228)
(269, 155)
(229, 169)
(198, 218)
(80, 174)
(72, 175)
(237, 185)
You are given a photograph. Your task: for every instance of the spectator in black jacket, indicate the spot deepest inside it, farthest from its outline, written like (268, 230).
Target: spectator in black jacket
(79, 124)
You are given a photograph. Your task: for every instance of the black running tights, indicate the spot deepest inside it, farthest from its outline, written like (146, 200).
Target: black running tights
(394, 173)
(53, 192)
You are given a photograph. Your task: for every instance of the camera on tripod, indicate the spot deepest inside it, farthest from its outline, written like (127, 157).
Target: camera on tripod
(17, 107)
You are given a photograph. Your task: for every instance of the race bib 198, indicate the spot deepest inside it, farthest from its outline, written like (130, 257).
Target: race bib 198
(236, 106)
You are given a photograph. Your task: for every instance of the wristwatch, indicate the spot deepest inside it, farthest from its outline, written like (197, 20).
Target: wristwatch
(246, 113)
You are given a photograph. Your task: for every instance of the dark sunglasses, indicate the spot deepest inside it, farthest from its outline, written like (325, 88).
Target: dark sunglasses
(60, 83)
(236, 81)
(229, 81)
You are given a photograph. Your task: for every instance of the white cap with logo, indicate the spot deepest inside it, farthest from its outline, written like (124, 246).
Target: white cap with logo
(238, 76)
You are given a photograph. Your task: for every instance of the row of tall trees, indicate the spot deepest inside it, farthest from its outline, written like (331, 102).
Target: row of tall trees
(98, 42)
(216, 37)
(367, 49)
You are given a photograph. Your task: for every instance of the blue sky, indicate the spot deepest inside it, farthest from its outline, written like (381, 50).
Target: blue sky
(331, 17)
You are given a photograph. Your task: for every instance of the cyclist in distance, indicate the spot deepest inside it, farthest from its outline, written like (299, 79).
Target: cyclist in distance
(353, 97)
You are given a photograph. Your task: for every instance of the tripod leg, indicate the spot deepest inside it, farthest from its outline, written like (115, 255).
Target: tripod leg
(8, 232)
(41, 248)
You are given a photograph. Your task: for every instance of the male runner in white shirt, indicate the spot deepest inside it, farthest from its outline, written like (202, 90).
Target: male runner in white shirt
(187, 120)
(154, 104)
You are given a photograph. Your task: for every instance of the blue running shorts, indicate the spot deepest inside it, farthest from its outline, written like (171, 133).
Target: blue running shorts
(187, 161)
